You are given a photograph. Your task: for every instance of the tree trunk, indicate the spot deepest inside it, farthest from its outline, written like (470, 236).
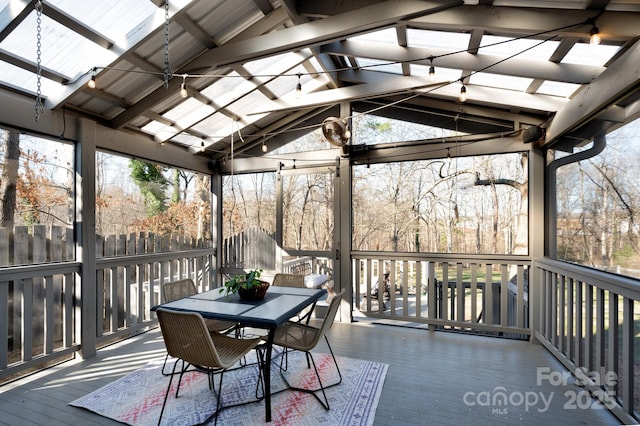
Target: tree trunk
(10, 177)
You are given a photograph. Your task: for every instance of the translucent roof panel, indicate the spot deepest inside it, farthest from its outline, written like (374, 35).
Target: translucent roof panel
(62, 50)
(556, 88)
(189, 141)
(247, 104)
(22, 79)
(285, 85)
(160, 131)
(228, 89)
(189, 112)
(588, 54)
(388, 36)
(274, 65)
(442, 74)
(522, 48)
(377, 65)
(500, 81)
(114, 19)
(437, 40)
(216, 126)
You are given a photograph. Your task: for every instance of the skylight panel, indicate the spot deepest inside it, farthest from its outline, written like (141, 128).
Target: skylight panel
(442, 74)
(387, 36)
(248, 105)
(450, 41)
(274, 65)
(113, 19)
(188, 140)
(523, 48)
(228, 89)
(377, 65)
(62, 50)
(588, 54)
(159, 130)
(500, 81)
(216, 127)
(556, 88)
(21, 79)
(188, 112)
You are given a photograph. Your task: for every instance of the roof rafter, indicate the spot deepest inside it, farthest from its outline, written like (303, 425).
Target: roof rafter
(568, 73)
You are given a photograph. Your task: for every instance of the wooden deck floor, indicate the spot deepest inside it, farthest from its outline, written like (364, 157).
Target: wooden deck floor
(434, 378)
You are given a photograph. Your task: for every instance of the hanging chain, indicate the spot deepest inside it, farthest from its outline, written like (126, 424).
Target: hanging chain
(167, 72)
(39, 105)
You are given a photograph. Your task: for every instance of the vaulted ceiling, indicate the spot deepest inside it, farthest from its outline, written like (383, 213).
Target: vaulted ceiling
(199, 74)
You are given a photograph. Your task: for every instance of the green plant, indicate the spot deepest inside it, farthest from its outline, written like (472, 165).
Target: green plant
(247, 281)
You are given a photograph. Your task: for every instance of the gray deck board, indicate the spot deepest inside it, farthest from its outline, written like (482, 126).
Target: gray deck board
(429, 374)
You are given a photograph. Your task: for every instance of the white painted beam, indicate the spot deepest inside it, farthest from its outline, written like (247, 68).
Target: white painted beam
(319, 32)
(380, 84)
(619, 80)
(568, 73)
(504, 20)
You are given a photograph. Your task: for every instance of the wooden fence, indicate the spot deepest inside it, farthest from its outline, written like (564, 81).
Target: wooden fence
(39, 297)
(253, 248)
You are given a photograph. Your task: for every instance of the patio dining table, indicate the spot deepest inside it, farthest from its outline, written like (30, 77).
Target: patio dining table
(278, 305)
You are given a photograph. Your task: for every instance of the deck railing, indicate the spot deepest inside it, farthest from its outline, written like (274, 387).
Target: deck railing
(127, 287)
(590, 321)
(41, 301)
(587, 318)
(37, 308)
(451, 292)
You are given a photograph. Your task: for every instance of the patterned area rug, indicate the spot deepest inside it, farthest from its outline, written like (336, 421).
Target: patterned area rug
(136, 399)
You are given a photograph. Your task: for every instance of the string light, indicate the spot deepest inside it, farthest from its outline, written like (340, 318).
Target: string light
(595, 38)
(183, 87)
(463, 93)
(92, 81)
(299, 87)
(432, 70)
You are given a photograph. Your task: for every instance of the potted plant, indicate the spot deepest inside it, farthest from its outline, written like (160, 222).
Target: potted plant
(248, 286)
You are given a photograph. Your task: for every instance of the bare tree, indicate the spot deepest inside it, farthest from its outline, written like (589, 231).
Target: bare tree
(9, 177)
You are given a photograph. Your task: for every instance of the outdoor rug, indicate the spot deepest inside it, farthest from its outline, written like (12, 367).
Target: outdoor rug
(136, 399)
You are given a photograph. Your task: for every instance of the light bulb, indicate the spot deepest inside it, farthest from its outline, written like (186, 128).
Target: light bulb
(264, 147)
(202, 146)
(183, 87)
(92, 82)
(298, 88)
(595, 36)
(463, 93)
(432, 70)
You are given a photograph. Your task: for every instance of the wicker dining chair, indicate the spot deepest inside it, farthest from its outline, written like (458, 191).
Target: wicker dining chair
(294, 335)
(187, 339)
(288, 280)
(293, 280)
(179, 289)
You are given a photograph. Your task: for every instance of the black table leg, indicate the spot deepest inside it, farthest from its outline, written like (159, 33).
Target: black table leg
(267, 375)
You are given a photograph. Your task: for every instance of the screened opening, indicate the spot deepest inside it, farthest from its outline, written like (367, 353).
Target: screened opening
(598, 201)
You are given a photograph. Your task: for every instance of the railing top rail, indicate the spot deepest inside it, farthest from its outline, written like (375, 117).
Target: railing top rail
(441, 257)
(618, 284)
(12, 273)
(107, 262)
